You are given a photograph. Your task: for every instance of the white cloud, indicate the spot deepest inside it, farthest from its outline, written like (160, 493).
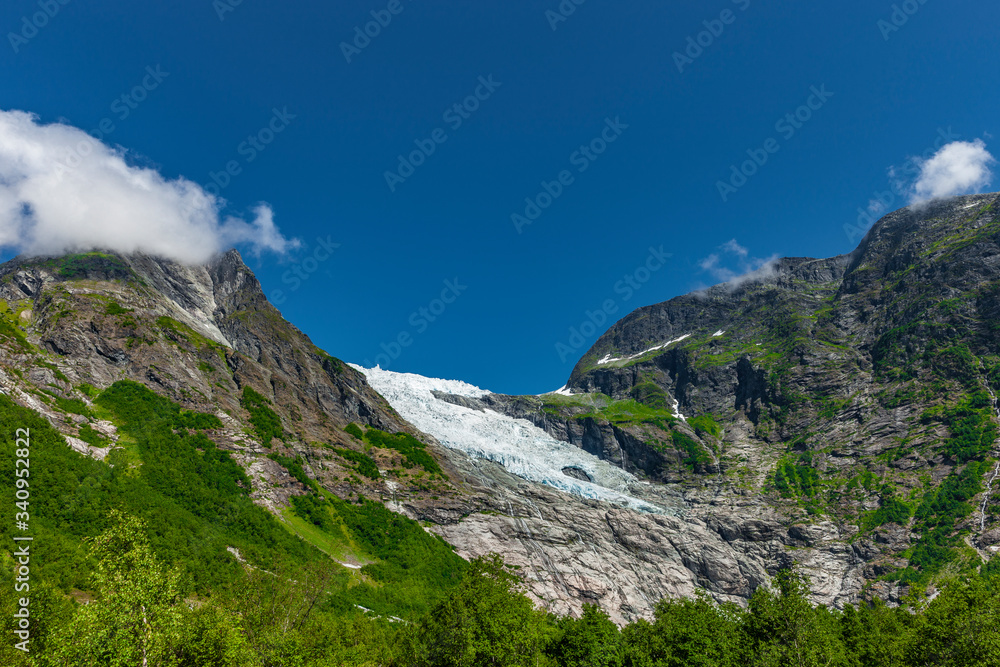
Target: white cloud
(734, 266)
(735, 248)
(961, 167)
(61, 190)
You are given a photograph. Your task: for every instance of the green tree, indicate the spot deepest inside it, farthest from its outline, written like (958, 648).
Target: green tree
(211, 635)
(874, 634)
(592, 640)
(959, 628)
(784, 630)
(685, 633)
(276, 608)
(487, 621)
(49, 610)
(136, 619)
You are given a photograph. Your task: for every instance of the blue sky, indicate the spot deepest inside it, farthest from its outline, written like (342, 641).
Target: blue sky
(597, 99)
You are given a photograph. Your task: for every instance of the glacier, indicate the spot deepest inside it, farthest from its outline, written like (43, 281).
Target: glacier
(518, 445)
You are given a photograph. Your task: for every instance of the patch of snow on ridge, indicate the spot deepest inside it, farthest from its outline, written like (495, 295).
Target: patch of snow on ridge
(562, 391)
(608, 359)
(718, 333)
(518, 445)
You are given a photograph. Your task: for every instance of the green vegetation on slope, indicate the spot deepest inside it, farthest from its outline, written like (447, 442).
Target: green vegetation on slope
(970, 422)
(695, 455)
(72, 267)
(705, 424)
(265, 421)
(891, 510)
(194, 495)
(294, 468)
(939, 511)
(365, 464)
(303, 618)
(414, 452)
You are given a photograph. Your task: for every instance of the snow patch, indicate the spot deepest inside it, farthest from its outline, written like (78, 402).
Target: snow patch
(609, 360)
(562, 391)
(718, 333)
(518, 445)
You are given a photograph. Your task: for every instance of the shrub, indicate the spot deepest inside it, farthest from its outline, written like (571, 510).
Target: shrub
(891, 510)
(797, 477)
(412, 449)
(92, 437)
(694, 454)
(705, 424)
(366, 465)
(265, 421)
(115, 309)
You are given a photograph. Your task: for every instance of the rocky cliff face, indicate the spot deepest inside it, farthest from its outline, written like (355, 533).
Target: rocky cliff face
(847, 404)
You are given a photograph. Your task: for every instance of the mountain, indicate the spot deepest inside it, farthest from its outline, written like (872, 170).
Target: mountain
(835, 415)
(196, 335)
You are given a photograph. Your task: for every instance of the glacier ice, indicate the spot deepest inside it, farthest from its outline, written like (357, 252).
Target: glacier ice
(518, 445)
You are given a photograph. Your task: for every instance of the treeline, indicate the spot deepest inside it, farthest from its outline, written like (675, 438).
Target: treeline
(290, 619)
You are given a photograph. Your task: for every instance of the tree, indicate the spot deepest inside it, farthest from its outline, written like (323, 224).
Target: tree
(486, 621)
(874, 634)
(135, 620)
(211, 635)
(275, 607)
(784, 630)
(959, 628)
(695, 633)
(592, 640)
